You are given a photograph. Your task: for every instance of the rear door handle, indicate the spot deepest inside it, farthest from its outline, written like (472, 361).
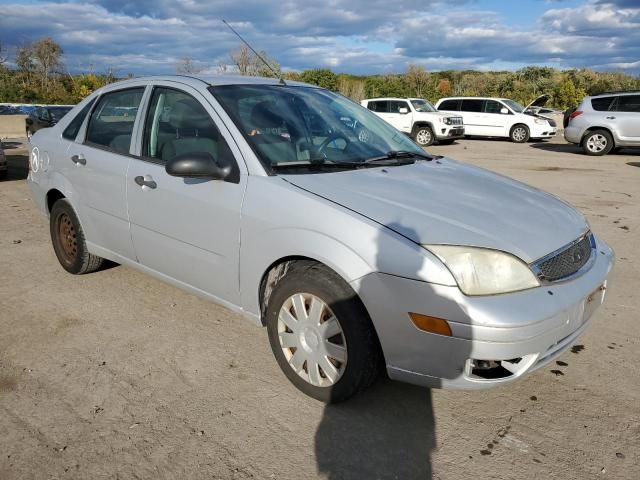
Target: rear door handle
(140, 180)
(79, 159)
(611, 118)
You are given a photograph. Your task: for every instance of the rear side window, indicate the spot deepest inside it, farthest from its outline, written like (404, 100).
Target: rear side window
(381, 106)
(602, 104)
(111, 122)
(71, 132)
(450, 105)
(472, 105)
(628, 103)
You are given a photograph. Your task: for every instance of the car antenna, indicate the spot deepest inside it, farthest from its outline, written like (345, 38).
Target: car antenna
(256, 53)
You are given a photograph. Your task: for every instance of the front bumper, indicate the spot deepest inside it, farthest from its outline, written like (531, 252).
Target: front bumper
(543, 131)
(452, 132)
(534, 326)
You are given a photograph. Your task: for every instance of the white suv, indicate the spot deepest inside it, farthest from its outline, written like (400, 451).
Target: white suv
(500, 117)
(605, 121)
(418, 118)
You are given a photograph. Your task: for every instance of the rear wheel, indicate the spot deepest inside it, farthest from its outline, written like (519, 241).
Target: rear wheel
(423, 136)
(68, 240)
(597, 142)
(519, 133)
(321, 334)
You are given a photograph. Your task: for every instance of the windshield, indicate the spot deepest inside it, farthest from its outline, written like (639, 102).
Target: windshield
(422, 106)
(57, 113)
(513, 105)
(287, 125)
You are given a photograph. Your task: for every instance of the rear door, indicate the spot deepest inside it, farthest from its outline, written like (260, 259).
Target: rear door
(473, 116)
(187, 229)
(628, 118)
(97, 168)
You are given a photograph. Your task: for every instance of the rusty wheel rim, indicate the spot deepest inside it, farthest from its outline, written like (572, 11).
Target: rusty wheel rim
(67, 238)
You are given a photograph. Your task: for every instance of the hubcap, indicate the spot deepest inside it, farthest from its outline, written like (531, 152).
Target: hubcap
(67, 238)
(312, 339)
(423, 137)
(597, 143)
(519, 134)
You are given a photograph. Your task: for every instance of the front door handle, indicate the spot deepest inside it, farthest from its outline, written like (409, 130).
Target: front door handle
(79, 159)
(140, 180)
(611, 118)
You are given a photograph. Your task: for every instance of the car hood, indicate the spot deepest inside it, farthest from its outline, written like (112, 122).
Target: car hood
(540, 101)
(428, 115)
(447, 202)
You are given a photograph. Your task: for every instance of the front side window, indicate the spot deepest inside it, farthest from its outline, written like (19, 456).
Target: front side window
(491, 106)
(71, 132)
(513, 105)
(288, 125)
(395, 106)
(178, 125)
(111, 122)
(423, 106)
(450, 105)
(628, 103)
(472, 105)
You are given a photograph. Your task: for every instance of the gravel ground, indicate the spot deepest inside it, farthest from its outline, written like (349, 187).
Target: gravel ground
(117, 375)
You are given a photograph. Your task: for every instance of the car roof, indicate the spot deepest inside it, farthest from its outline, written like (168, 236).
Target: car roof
(214, 80)
(621, 92)
(473, 98)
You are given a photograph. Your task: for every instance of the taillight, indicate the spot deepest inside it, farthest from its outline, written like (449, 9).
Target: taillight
(575, 114)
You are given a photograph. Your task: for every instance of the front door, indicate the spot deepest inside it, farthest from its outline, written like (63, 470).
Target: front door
(495, 121)
(187, 229)
(627, 118)
(97, 170)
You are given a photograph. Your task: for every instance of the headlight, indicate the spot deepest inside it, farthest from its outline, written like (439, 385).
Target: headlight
(540, 121)
(480, 271)
(447, 121)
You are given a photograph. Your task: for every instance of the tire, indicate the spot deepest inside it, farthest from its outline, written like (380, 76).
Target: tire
(519, 133)
(69, 242)
(306, 286)
(597, 142)
(423, 135)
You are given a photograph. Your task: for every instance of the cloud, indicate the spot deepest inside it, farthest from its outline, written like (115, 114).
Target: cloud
(357, 36)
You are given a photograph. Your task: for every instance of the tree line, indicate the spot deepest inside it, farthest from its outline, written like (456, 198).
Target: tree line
(37, 75)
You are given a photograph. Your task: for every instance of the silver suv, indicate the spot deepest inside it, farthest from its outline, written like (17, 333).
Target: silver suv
(605, 121)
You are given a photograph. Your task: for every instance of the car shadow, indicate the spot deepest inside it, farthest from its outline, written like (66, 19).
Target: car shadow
(386, 432)
(11, 145)
(633, 164)
(575, 149)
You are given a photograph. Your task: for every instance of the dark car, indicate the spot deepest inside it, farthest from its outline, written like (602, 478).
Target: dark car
(9, 110)
(44, 117)
(4, 167)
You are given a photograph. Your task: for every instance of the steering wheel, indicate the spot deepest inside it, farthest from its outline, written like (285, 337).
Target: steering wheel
(332, 137)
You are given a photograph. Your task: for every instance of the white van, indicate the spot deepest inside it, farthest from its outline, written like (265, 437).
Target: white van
(500, 117)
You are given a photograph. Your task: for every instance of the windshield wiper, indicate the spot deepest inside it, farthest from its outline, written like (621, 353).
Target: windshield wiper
(315, 164)
(400, 154)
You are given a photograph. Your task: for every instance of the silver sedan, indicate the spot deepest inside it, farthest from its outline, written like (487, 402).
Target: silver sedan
(305, 212)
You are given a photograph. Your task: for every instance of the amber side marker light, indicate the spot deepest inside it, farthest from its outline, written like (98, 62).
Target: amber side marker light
(430, 324)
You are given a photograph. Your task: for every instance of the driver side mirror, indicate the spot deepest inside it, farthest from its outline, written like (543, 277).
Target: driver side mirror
(504, 111)
(197, 165)
(403, 110)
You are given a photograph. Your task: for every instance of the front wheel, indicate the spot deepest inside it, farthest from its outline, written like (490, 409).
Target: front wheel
(321, 334)
(597, 142)
(68, 240)
(519, 133)
(423, 136)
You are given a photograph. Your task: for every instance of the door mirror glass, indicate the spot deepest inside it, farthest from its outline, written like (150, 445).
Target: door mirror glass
(403, 110)
(504, 111)
(197, 165)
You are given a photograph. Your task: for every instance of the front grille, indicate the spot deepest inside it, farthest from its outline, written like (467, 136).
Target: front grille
(455, 120)
(567, 261)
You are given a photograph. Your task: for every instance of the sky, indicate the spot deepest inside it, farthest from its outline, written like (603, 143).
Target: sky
(352, 36)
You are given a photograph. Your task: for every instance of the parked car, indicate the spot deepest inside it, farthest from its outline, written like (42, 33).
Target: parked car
(307, 213)
(4, 165)
(9, 110)
(500, 117)
(603, 122)
(44, 117)
(418, 118)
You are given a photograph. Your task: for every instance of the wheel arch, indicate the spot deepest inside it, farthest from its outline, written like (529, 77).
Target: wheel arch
(421, 123)
(593, 128)
(53, 195)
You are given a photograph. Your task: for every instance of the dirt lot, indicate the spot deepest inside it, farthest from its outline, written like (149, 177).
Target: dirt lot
(117, 375)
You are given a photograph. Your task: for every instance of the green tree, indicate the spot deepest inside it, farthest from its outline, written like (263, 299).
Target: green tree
(323, 77)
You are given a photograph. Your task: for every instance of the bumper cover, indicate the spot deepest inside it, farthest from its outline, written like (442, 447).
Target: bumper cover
(533, 325)
(449, 133)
